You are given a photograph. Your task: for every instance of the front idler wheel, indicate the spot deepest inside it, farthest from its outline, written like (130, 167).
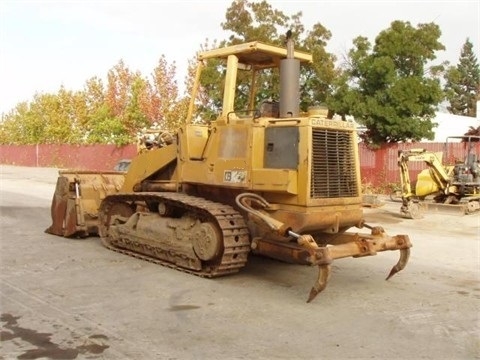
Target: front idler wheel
(207, 242)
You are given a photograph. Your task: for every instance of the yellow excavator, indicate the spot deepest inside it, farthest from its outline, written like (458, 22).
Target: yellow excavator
(268, 179)
(443, 188)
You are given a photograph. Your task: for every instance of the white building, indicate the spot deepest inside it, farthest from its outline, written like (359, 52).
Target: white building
(447, 125)
(453, 125)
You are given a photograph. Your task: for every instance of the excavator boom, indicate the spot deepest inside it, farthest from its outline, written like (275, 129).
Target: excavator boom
(455, 189)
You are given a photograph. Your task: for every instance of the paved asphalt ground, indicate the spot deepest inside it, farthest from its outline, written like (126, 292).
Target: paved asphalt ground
(74, 299)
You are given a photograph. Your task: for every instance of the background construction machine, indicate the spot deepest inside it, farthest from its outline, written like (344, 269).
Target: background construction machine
(447, 188)
(267, 179)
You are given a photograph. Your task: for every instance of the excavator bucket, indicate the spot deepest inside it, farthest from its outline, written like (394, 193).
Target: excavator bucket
(77, 198)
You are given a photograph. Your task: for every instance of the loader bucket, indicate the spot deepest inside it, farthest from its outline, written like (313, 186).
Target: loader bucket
(77, 198)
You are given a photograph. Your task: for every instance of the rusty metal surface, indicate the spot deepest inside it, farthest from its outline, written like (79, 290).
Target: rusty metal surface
(287, 252)
(59, 207)
(236, 245)
(77, 198)
(307, 251)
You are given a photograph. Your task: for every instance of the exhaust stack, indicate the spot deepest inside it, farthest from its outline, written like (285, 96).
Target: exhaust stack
(289, 82)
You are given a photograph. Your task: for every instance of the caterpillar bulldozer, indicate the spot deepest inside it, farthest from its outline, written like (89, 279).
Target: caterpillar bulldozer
(453, 189)
(269, 180)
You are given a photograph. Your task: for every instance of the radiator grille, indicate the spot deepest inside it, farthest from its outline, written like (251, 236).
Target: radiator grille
(333, 165)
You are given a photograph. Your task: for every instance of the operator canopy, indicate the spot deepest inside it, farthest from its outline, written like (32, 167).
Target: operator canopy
(255, 54)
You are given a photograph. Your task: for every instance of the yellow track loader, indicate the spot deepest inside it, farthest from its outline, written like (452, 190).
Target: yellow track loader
(451, 189)
(267, 179)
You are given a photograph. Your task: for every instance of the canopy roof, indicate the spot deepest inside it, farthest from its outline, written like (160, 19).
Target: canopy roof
(255, 54)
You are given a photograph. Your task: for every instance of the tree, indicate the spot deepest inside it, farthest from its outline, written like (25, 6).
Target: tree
(387, 88)
(462, 86)
(111, 114)
(133, 117)
(163, 97)
(473, 131)
(20, 127)
(105, 128)
(48, 119)
(258, 21)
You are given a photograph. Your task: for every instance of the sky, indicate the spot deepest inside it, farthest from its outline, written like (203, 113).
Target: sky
(48, 44)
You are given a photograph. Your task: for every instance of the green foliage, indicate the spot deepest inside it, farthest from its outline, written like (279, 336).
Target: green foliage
(133, 117)
(19, 126)
(49, 119)
(462, 86)
(254, 21)
(385, 87)
(105, 128)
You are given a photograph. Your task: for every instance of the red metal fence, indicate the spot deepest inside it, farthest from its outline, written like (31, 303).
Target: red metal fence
(92, 157)
(378, 167)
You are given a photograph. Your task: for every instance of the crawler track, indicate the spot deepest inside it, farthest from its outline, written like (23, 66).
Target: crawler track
(236, 244)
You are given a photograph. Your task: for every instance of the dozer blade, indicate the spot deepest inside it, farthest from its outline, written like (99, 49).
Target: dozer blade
(77, 198)
(440, 208)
